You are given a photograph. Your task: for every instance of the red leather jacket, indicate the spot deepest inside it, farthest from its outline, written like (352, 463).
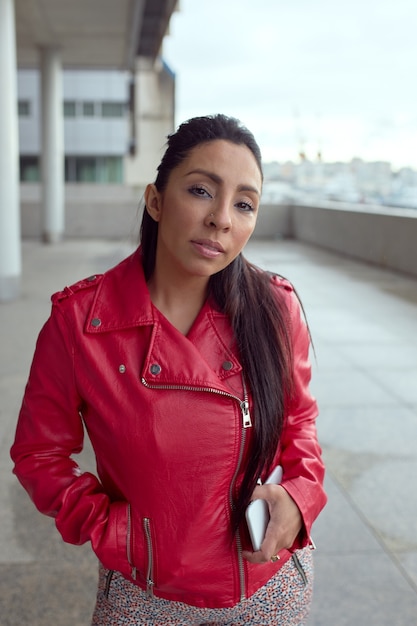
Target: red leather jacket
(167, 418)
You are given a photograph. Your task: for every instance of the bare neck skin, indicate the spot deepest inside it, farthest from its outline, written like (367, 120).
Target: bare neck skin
(179, 303)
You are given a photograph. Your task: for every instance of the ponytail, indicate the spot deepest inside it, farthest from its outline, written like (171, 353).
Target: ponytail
(260, 323)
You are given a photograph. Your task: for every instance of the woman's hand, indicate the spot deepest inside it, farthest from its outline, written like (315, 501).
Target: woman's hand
(284, 525)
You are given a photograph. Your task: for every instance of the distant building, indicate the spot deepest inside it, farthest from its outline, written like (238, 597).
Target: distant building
(96, 124)
(358, 181)
(103, 116)
(373, 179)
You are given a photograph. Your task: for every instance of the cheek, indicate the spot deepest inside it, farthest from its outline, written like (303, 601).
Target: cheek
(174, 227)
(247, 229)
(241, 238)
(178, 213)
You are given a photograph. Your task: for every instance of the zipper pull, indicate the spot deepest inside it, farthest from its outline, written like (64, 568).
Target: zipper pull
(149, 588)
(244, 407)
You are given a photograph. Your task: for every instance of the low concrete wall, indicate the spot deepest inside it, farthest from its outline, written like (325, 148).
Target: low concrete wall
(383, 236)
(275, 220)
(91, 211)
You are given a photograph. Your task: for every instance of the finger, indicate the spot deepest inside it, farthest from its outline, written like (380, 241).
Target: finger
(254, 557)
(258, 493)
(260, 557)
(270, 549)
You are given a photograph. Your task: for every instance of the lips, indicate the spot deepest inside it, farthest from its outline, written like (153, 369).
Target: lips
(209, 244)
(207, 248)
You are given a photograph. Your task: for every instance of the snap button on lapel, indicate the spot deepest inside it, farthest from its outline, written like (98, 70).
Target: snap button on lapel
(155, 369)
(227, 365)
(122, 368)
(95, 322)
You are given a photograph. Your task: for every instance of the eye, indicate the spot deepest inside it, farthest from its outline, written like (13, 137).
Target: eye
(198, 190)
(247, 207)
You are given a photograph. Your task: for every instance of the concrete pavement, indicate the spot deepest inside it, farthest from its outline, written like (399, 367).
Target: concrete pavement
(364, 325)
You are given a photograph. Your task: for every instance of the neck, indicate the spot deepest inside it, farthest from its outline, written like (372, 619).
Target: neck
(179, 302)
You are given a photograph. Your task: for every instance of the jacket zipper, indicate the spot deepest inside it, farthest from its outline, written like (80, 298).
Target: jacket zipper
(300, 568)
(246, 423)
(109, 576)
(129, 542)
(232, 506)
(149, 573)
(244, 404)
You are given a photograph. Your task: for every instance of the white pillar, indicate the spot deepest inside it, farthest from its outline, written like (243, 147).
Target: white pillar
(52, 156)
(10, 248)
(154, 118)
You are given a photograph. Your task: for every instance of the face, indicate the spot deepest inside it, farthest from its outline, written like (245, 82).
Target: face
(207, 211)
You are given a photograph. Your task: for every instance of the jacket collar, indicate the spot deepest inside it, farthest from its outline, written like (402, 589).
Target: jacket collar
(122, 301)
(122, 298)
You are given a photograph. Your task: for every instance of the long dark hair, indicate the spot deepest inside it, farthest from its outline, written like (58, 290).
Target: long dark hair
(259, 319)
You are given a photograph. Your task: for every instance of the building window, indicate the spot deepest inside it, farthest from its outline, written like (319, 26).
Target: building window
(109, 170)
(29, 169)
(23, 107)
(113, 109)
(94, 169)
(70, 108)
(88, 109)
(85, 170)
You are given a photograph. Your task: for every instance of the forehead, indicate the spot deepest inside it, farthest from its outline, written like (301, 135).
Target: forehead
(222, 155)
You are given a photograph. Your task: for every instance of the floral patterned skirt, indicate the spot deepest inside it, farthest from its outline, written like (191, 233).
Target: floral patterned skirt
(284, 601)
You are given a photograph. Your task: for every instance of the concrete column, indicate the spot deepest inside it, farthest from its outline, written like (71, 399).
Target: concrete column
(52, 157)
(10, 248)
(154, 119)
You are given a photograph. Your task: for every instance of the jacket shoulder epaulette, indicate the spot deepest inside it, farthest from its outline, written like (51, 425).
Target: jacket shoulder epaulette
(280, 281)
(86, 283)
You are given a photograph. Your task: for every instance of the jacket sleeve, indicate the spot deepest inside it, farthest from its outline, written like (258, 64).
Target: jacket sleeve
(49, 432)
(300, 451)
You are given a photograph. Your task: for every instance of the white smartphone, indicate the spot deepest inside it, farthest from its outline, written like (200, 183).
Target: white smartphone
(257, 512)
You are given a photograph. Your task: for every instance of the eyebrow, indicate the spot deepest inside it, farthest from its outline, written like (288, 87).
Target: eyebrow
(218, 180)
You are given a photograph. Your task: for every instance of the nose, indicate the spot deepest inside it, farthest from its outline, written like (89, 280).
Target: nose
(220, 217)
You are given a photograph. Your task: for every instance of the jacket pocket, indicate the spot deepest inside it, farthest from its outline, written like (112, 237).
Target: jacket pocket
(107, 583)
(109, 541)
(129, 543)
(140, 551)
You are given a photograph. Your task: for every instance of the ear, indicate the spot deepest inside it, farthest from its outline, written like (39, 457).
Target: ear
(153, 202)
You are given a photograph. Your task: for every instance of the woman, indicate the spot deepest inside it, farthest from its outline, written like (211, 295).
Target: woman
(189, 368)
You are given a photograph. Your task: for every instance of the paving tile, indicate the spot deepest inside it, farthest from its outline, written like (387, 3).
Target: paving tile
(386, 495)
(327, 357)
(356, 389)
(370, 430)
(47, 594)
(401, 382)
(361, 590)
(346, 327)
(408, 560)
(398, 355)
(340, 529)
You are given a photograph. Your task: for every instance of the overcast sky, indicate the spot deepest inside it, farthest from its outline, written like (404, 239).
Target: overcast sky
(313, 75)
